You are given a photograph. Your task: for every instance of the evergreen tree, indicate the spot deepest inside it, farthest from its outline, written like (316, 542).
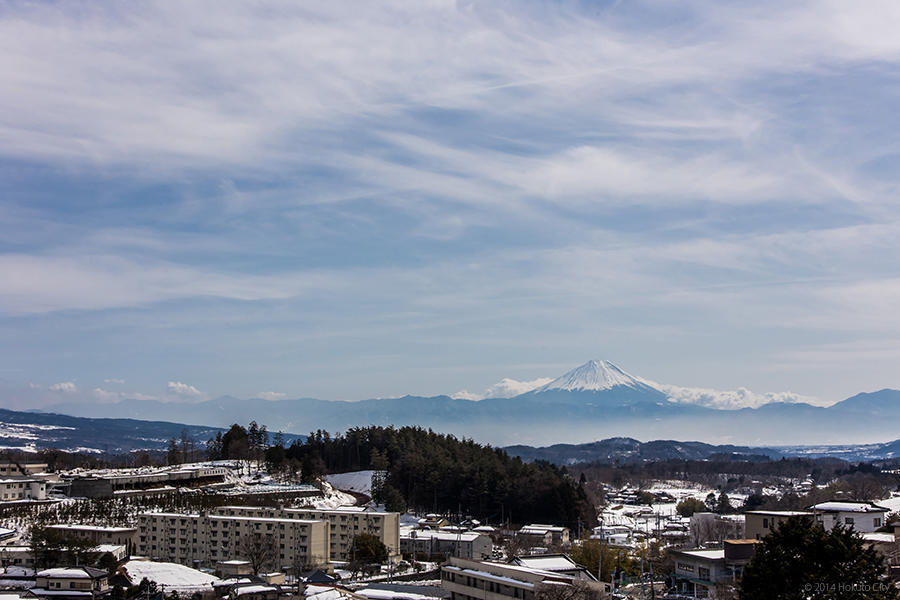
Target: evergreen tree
(801, 560)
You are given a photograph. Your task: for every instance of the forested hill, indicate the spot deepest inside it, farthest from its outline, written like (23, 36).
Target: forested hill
(439, 473)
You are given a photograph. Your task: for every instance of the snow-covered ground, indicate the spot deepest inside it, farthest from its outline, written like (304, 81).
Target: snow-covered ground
(355, 481)
(892, 503)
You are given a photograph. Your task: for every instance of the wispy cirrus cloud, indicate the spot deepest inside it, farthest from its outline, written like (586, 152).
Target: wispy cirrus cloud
(319, 184)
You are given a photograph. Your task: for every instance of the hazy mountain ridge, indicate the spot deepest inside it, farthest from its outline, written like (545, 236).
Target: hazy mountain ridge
(595, 400)
(37, 430)
(628, 450)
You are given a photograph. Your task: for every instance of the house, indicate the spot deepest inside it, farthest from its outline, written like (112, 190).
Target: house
(255, 591)
(99, 534)
(470, 580)
(21, 469)
(433, 521)
(71, 582)
(698, 573)
(864, 517)
(545, 535)
(23, 556)
(22, 488)
(554, 563)
(760, 523)
(169, 576)
(227, 569)
(463, 544)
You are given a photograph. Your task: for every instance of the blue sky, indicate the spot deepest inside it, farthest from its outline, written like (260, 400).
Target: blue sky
(352, 200)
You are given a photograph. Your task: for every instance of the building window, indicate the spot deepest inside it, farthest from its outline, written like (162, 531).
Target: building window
(848, 520)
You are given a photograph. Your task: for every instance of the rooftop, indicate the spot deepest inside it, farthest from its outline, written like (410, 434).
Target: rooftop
(840, 506)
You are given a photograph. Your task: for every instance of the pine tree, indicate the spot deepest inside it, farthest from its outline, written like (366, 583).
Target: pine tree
(802, 561)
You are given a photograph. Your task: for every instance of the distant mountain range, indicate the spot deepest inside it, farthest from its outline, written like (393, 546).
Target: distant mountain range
(32, 431)
(595, 400)
(628, 450)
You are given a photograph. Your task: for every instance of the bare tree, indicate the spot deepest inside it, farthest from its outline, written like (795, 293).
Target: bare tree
(259, 549)
(575, 590)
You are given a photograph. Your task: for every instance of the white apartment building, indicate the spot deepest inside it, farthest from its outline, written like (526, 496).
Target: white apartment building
(22, 488)
(344, 524)
(864, 517)
(206, 539)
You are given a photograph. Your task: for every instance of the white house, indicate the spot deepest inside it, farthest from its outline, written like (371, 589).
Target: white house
(864, 517)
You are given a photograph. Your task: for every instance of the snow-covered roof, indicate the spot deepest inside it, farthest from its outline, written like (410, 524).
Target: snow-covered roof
(102, 528)
(780, 513)
(540, 528)
(550, 562)
(708, 554)
(72, 573)
(839, 506)
(446, 536)
(378, 594)
(171, 575)
(881, 538)
(254, 589)
(326, 592)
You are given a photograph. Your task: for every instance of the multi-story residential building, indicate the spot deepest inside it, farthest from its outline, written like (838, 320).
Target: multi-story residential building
(545, 535)
(98, 534)
(344, 524)
(206, 539)
(23, 556)
(476, 580)
(864, 517)
(101, 484)
(71, 582)
(760, 523)
(22, 488)
(21, 469)
(463, 544)
(699, 573)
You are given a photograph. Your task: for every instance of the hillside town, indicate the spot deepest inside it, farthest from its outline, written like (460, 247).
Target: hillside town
(231, 529)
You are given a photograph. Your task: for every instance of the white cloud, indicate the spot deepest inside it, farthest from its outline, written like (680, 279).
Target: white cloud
(730, 399)
(271, 395)
(505, 388)
(184, 390)
(36, 284)
(66, 387)
(115, 381)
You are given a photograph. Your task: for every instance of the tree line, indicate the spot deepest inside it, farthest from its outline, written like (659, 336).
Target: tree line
(435, 472)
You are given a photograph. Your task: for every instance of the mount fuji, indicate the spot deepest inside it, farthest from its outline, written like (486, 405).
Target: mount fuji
(601, 384)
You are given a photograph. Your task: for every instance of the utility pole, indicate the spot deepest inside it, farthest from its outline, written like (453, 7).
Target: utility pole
(600, 554)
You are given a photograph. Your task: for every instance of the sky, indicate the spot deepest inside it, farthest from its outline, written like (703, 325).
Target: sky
(356, 200)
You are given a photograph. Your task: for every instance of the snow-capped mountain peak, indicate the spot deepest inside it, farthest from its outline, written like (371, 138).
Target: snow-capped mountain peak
(595, 375)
